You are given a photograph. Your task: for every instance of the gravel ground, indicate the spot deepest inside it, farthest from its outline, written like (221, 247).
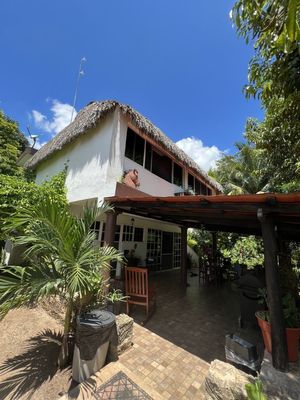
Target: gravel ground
(29, 343)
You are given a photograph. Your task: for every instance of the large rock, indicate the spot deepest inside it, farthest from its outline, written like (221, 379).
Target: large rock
(225, 382)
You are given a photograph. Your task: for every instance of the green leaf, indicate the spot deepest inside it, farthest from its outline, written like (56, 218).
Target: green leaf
(291, 22)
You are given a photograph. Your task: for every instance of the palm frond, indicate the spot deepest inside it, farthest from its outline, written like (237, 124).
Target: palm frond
(62, 256)
(20, 286)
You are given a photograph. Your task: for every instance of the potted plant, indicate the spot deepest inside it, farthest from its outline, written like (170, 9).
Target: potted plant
(292, 323)
(114, 299)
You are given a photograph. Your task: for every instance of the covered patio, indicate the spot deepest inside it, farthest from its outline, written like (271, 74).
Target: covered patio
(274, 217)
(195, 319)
(172, 351)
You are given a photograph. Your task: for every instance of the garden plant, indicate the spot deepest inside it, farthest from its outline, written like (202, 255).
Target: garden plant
(61, 260)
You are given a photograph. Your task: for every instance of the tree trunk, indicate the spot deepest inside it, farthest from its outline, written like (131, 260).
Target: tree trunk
(64, 354)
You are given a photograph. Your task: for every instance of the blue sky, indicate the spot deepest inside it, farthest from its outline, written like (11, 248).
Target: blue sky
(180, 63)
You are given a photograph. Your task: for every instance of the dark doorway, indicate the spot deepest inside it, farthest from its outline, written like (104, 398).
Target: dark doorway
(167, 250)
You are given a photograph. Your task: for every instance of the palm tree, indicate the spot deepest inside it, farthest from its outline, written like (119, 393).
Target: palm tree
(62, 261)
(245, 172)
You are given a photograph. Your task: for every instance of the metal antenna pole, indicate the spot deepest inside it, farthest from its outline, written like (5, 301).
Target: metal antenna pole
(80, 73)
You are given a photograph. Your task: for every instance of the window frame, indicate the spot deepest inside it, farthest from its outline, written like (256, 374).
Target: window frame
(185, 170)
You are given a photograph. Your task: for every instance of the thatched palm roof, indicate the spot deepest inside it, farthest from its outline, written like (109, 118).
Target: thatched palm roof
(95, 112)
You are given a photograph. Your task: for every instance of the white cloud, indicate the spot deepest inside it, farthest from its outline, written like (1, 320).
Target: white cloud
(61, 116)
(205, 156)
(38, 117)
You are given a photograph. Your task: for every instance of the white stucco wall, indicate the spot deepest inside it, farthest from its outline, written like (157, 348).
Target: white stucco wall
(146, 223)
(89, 159)
(96, 161)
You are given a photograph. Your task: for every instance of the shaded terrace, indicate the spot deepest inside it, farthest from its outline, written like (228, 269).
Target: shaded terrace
(171, 353)
(196, 318)
(274, 217)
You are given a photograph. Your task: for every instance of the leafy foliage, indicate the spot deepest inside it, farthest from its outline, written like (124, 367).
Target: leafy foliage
(16, 191)
(274, 77)
(199, 240)
(255, 391)
(278, 137)
(12, 143)
(62, 260)
(290, 311)
(273, 27)
(247, 250)
(245, 172)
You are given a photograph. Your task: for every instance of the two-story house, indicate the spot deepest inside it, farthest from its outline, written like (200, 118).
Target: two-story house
(105, 139)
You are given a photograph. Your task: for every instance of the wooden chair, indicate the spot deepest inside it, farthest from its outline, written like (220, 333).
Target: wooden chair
(137, 288)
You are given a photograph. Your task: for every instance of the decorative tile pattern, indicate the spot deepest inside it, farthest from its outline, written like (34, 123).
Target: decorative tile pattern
(121, 387)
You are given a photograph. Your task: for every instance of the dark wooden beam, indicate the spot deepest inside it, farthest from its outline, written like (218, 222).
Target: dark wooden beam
(278, 332)
(267, 206)
(183, 254)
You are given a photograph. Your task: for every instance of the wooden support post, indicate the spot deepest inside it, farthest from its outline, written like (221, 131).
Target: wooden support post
(109, 236)
(183, 256)
(110, 228)
(278, 332)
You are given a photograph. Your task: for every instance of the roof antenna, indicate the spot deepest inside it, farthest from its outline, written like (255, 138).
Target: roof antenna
(80, 73)
(33, 137)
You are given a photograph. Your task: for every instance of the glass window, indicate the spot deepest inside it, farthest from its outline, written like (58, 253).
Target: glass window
(177, 175)
(139, 150)
(191, 182)
(96, 229)
(197, 187)
(162, 166)
(134, 147)
(153, 259)
(138, 234)
(203, 189)
(117, 233)
(148, 156)
(130, 139)
(127, 233)
(176, 251)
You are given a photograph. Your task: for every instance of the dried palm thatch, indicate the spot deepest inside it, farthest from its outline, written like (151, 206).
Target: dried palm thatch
(93, 113)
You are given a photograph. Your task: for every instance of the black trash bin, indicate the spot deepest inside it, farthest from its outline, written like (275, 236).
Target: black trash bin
(95, 332)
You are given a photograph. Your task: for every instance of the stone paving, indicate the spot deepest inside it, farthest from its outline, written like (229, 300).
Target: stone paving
(173, 350)
(172, 371)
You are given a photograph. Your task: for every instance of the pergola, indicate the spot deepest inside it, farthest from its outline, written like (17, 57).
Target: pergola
(275, 217)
